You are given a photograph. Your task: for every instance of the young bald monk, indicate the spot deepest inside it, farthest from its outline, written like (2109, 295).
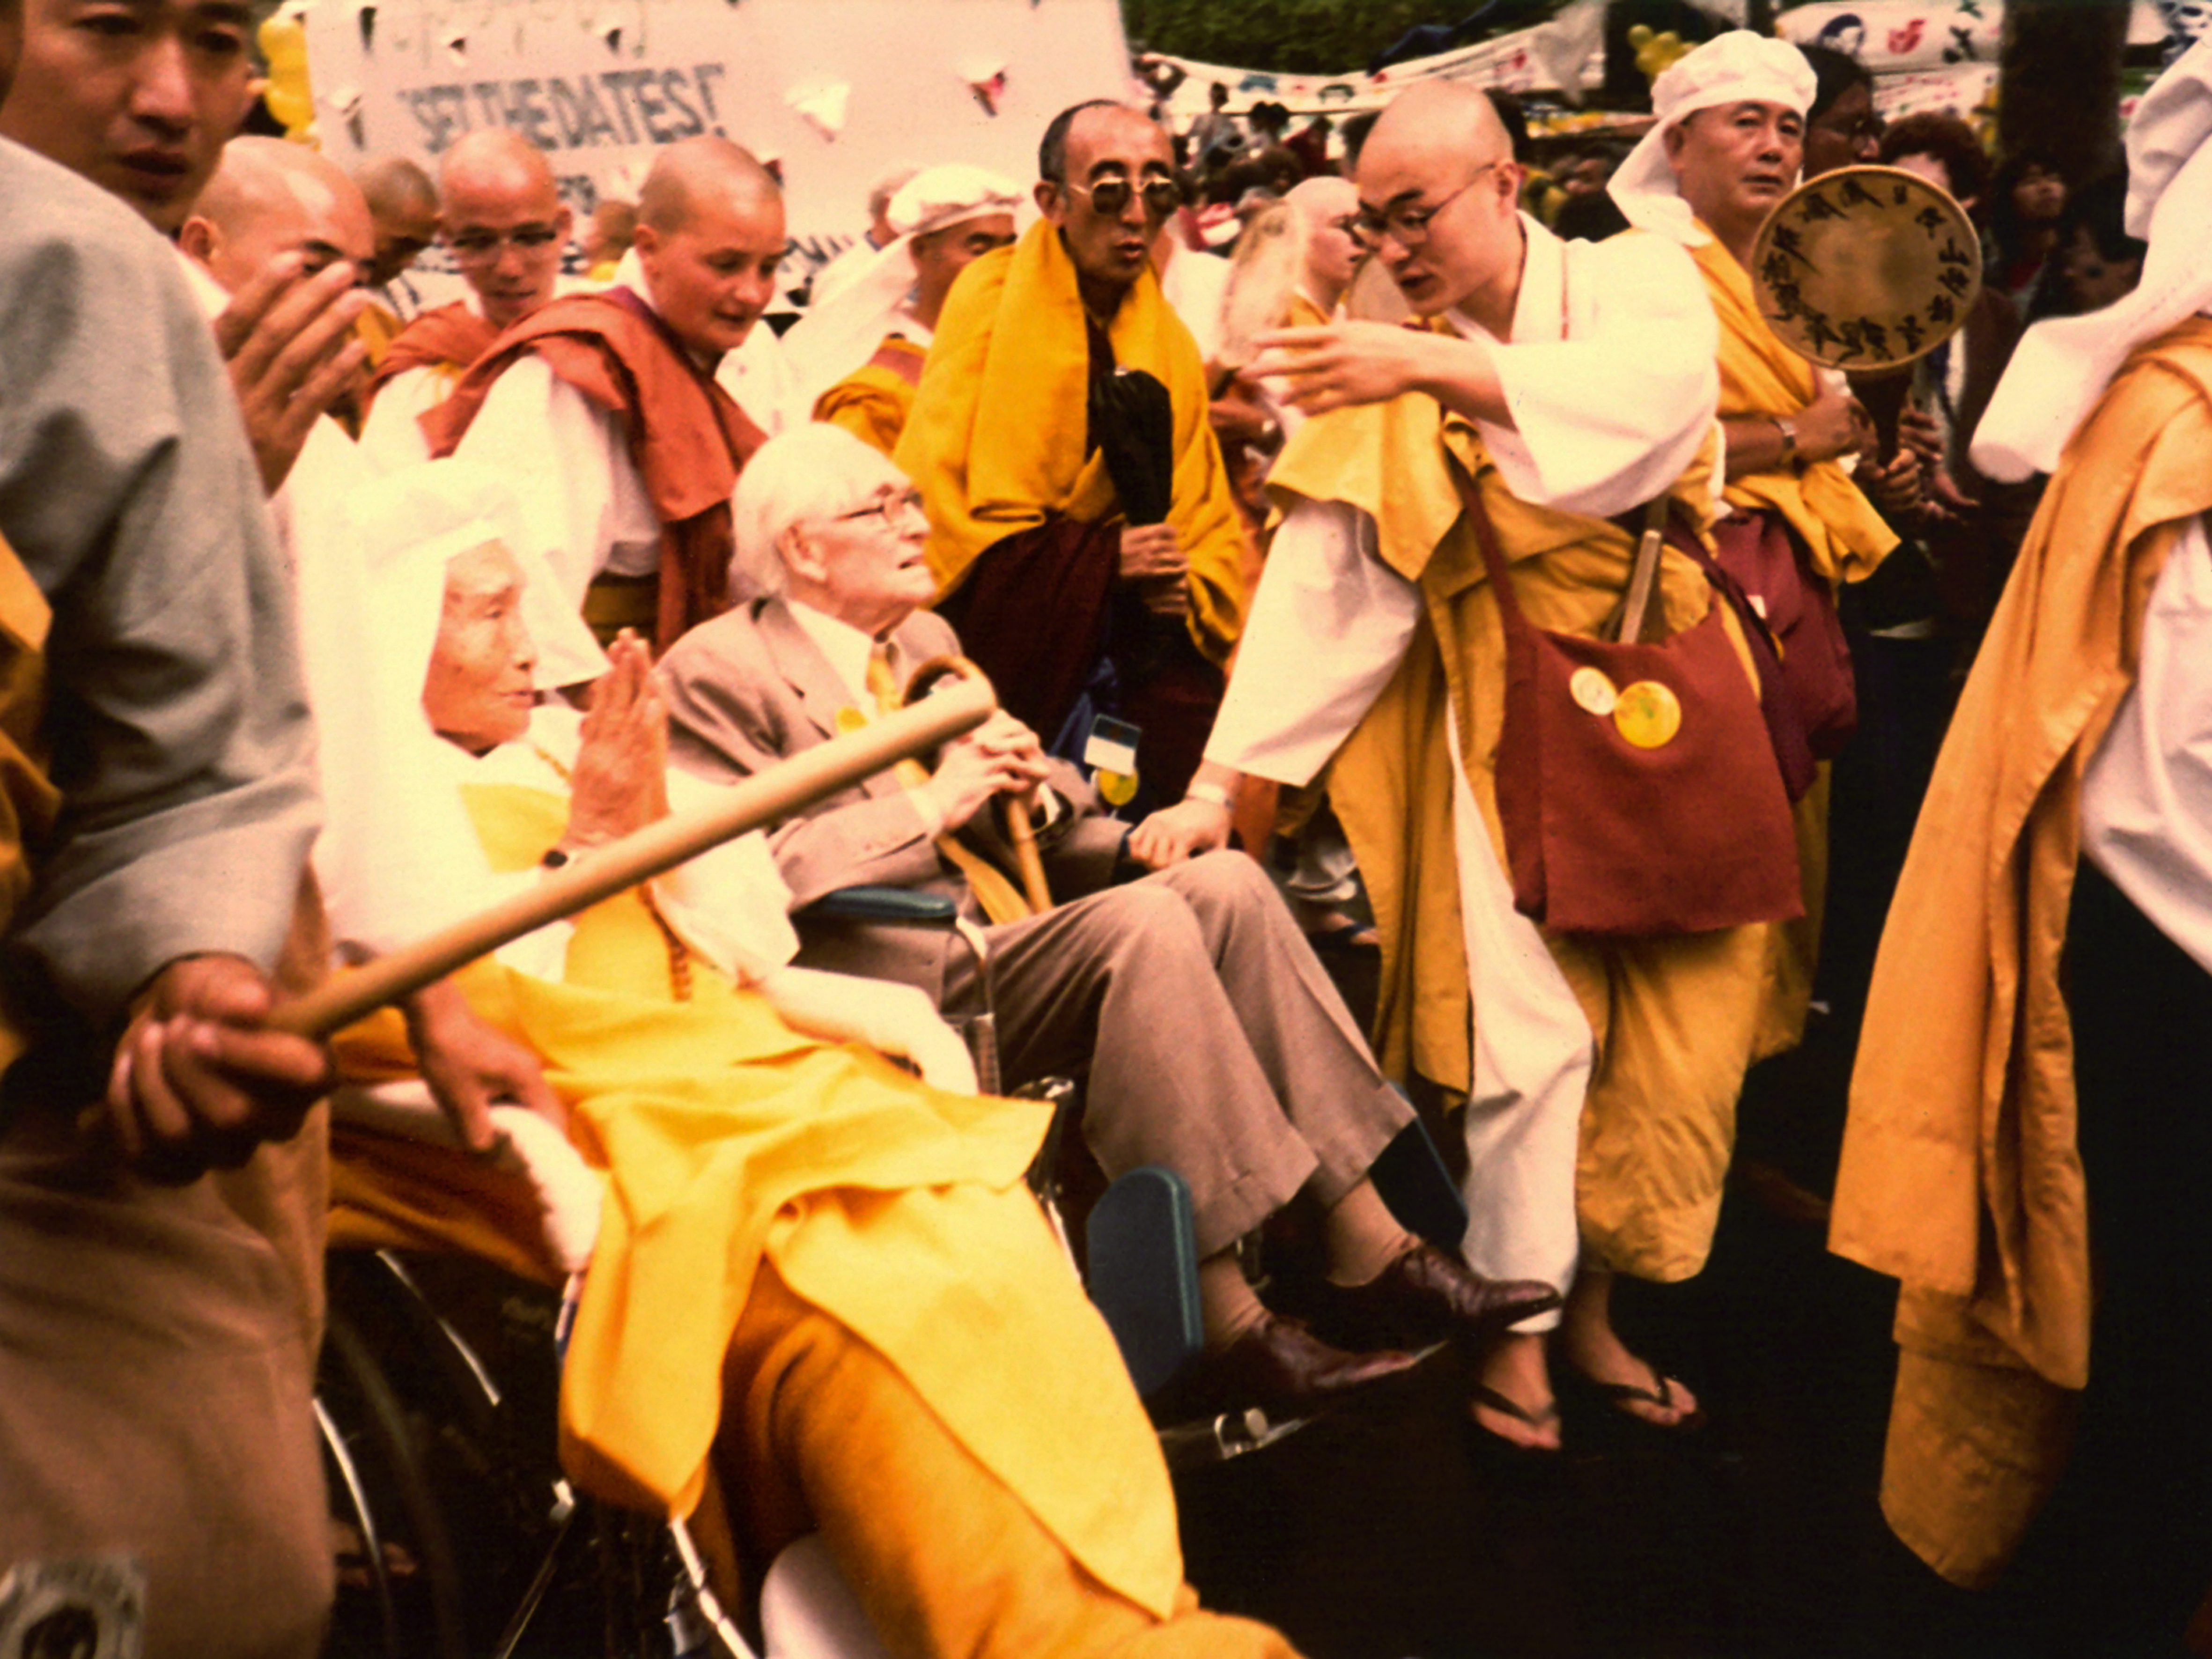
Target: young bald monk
(403, 203)
(603, 407)
(1572, 382)
(501, 216)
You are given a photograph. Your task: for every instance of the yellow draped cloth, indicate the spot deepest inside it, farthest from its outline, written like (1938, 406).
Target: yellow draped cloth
(997, 438)
(730, 1139)
(873, 401)
(1761, 375)
(28, 800)
(1959, 1174)
(1672, 1018)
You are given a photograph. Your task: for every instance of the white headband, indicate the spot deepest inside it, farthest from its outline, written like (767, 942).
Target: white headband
(1738, 67)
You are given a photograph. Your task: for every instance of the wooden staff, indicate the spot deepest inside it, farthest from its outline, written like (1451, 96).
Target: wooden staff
(921, 689)
(354, 993)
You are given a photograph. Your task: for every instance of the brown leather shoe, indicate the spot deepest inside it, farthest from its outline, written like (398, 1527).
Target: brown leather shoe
(1424, 1297)
(1278, 1365)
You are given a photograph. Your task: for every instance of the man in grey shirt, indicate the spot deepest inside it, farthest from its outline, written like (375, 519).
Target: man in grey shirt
(160, 1260)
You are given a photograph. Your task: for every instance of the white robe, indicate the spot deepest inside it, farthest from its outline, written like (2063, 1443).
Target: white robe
(1611, 374)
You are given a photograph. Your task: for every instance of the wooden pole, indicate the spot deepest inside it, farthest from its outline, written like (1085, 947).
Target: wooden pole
(352, 993)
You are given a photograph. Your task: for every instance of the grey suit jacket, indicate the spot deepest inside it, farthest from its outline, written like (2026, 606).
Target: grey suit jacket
(750, 688)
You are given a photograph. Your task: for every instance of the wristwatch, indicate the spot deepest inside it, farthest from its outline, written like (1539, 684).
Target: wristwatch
(1207, 792)
(1788, 428)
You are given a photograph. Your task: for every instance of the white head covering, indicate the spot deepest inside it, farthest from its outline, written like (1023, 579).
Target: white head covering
(395, 848)
(842, 331)
(2062, 366)
(1732, 68)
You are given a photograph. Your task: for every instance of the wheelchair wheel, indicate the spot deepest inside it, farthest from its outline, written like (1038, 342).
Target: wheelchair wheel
(398, 1589)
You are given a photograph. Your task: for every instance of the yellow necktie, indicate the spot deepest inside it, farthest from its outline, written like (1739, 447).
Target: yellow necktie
(1001, 900)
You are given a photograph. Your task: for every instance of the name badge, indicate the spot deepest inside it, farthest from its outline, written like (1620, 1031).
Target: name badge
(1111, 746)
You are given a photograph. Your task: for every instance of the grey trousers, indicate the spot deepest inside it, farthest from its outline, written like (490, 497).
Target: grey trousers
(1216, 1044)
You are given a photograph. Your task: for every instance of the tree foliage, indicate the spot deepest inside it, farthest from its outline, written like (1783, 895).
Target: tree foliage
(1292, 37)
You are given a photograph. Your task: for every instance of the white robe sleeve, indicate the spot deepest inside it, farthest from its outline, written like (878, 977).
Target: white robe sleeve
(392, 438)
(1610, 417)
(1328, 629)
(583, 508)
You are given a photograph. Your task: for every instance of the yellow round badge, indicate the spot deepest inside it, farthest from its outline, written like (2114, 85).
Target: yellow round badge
(1648, 714)
(1591, 691)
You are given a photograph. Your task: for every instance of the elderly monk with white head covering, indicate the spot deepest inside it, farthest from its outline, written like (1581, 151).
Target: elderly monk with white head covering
(1572, 381)
(858, 356)
(1729, 146)
(814, 1274)
(2026, 1149)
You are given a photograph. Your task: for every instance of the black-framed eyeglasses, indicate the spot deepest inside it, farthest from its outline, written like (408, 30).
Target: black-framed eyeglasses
(1109, 197)
(489, 244)
(889, 508)
(1409, 225)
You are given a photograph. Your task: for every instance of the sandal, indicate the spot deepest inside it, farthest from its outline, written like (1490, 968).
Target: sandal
(1542, 1417)
(1621, 1396)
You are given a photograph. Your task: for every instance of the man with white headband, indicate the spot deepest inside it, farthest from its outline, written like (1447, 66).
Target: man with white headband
(1574, 381)
(1729, 146)
(2045, 971)
(858, 356)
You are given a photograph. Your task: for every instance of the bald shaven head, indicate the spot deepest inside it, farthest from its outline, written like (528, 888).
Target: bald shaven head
(1438, 183)
(269, 198)
(1329, 209)
(403, 204)
(501, 213)
(710, 236)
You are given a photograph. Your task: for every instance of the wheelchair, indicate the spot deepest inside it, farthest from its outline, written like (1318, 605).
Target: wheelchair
(456, 1533)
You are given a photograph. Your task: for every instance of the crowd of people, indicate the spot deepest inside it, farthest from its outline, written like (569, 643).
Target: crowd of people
(1557, 616)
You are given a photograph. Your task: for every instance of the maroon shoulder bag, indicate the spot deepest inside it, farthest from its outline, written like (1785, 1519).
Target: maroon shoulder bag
(1639, 790)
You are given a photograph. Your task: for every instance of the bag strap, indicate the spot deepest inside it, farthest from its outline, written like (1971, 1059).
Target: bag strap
(1643, 574)
(1485, 537)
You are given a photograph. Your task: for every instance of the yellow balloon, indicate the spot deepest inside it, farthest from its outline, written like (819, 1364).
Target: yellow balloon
(292, 105)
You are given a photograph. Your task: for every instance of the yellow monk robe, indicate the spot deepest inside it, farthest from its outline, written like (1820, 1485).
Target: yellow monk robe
(1672, 1019)
(730, 1141)
(997, 438)
(1025, 519)
(1959, 1175)
(1848, 539)
(873, 401)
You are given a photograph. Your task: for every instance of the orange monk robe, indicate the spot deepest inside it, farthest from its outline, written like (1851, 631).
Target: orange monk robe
(873, 401)
(735, 1145)
(1847, 538)
(1023, 518)
(448, 340)
(1672, 1018)
(1959, 1175)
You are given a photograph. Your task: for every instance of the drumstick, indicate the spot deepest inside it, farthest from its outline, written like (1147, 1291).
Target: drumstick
(590, 876)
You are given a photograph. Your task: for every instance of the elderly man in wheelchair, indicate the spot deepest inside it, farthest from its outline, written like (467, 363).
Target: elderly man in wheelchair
(819, 1284)
(1213, 1043)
